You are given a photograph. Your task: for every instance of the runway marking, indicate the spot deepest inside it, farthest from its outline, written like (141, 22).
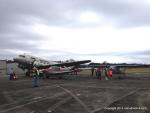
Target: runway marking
(14, 102)
(97, 87)
(32, 102)
(16, 81)
(7, 96)
(130, 93)
(26, 97)
(32, 88)
(35, 98)
(52, 108)
(77, 99)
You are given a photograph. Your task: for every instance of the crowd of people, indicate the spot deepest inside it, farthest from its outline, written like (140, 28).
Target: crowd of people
(99, 72)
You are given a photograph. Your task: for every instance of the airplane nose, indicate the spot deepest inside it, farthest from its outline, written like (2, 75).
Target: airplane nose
(19, 60)
(16, 60)
(22, 61)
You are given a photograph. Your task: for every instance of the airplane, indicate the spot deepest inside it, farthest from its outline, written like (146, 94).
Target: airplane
(47, 68)
(117, 68)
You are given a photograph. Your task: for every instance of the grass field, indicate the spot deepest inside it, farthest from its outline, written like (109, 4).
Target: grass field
(128, 70)
(85, 72)
(138, 70)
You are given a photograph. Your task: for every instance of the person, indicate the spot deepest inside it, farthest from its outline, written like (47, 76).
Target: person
(106, 73)
(11, 74)
(14, 77)
(99, 72)
(35, 77)
(96, 72)
(92, 71)
(110, 72)
(76, 71)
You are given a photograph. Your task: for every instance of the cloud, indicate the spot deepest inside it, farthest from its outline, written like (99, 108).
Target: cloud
(74, 28)
(120, 57)
(67, 12)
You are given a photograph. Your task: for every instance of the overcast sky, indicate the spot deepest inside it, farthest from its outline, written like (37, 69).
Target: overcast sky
(99, 30)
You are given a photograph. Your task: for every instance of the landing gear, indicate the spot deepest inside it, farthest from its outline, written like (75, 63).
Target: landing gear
(60, 77)
(47, 76)
(28, 73)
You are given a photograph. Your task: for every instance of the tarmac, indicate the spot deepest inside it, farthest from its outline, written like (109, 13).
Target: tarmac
(76, 94)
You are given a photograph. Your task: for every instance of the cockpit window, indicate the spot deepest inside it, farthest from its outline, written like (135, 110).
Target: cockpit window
(33, 58)
(22, 56)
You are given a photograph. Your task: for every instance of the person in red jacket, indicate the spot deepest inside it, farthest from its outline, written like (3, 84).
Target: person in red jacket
(110, 72)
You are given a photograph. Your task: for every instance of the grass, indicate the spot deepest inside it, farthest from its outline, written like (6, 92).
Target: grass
(85, 72)
(128, 70)
(138, 70)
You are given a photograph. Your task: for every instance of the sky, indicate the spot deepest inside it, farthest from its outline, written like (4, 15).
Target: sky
(115, 31)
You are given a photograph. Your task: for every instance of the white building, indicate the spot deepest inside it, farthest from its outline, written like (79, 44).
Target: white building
(5, 68)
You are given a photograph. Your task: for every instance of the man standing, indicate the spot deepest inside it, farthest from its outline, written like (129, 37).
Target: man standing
(106, 73)
(35, 77)
(99, 71)
(110, 72)
(92, 70)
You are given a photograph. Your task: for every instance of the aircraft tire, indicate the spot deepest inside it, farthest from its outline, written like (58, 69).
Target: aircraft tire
(47, 76)
(27, 74)
(60, 77)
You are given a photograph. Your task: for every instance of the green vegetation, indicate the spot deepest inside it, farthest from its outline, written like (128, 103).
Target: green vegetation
(128, 70)
(85, 72)
(138, 70)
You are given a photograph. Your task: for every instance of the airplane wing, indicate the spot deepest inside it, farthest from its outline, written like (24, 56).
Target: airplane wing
(131, 65)
(67, 64)
(97, 65)
(118, 65)
(118, 68)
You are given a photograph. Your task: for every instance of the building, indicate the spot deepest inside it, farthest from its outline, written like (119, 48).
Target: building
(6, 66)
(3, 68)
